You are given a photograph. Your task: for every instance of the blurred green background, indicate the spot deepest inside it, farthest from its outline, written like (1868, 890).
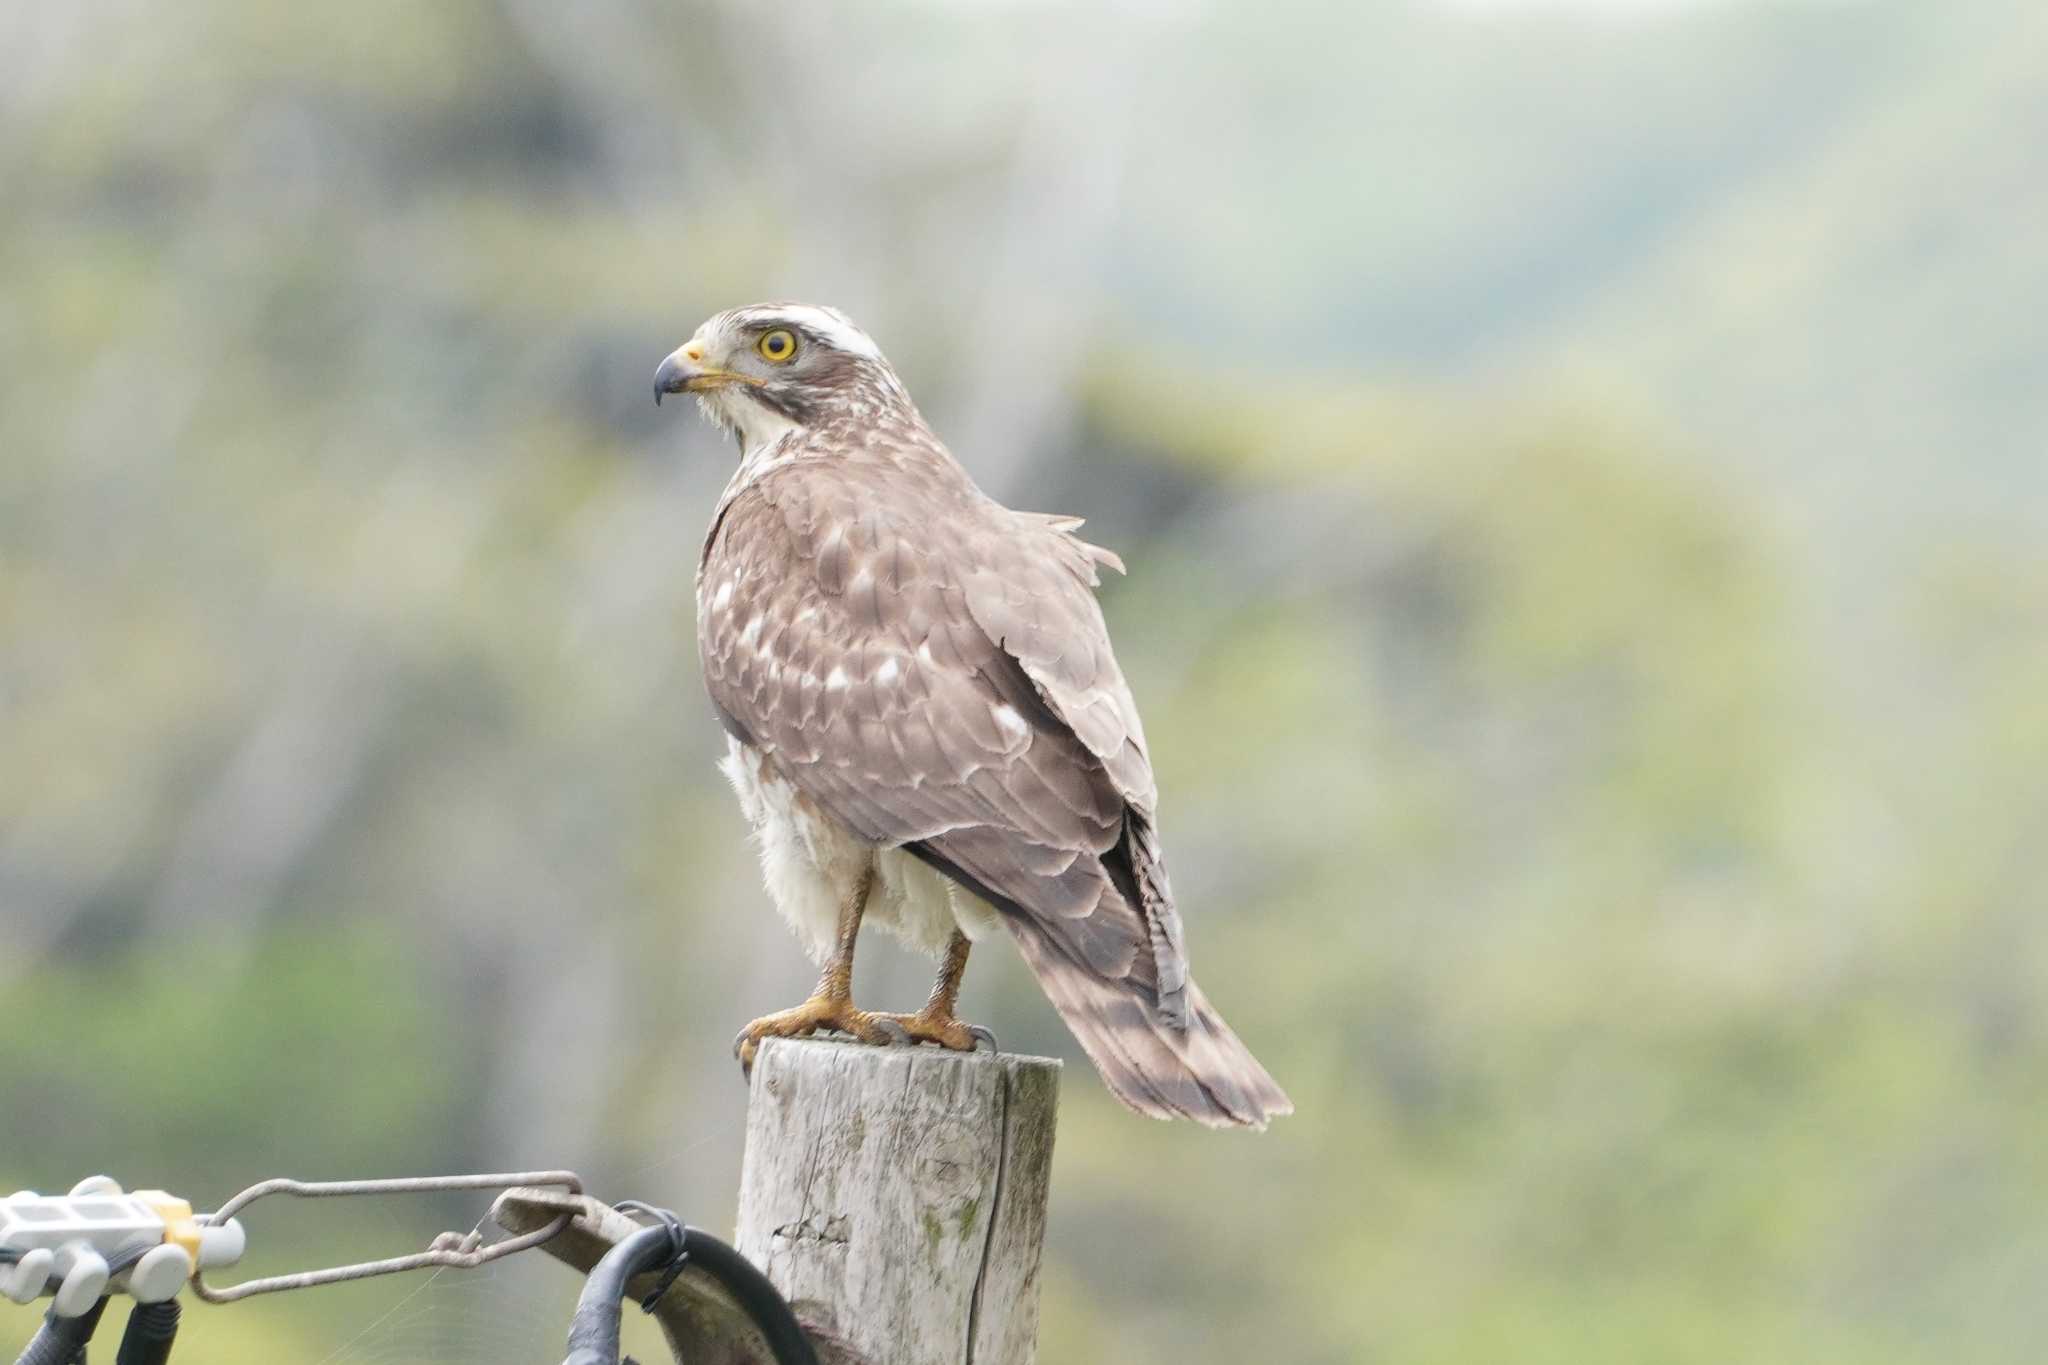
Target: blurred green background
(1584, 470)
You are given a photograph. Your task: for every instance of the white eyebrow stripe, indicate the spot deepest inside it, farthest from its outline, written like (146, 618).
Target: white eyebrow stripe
(834, 326)
(837, 328)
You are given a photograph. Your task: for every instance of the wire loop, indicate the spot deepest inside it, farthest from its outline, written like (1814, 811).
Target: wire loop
(679, 1250)
(454, 1250)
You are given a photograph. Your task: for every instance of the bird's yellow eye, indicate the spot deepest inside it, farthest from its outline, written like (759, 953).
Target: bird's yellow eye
(777, 345)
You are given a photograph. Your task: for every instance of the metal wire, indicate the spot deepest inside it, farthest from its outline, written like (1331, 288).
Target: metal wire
(455, 1250)
(679, 1255)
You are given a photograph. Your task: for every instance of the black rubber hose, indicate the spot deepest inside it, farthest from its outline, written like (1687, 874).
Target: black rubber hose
(594, 1331)
(152, 1327)
(61, 1341)
(755, 1293)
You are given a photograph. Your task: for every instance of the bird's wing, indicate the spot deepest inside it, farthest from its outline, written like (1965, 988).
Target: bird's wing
(933, 670)
(1034, 599)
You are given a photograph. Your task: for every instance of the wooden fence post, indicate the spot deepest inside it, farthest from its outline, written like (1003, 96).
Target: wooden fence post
(896, 1196)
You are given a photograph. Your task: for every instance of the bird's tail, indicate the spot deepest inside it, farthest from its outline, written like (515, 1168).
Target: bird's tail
(1203, 1072)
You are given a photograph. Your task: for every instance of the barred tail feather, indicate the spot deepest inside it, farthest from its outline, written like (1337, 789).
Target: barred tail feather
(1202, 1072)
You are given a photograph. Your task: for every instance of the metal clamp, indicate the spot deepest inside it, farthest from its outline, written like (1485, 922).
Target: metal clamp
(455, 1250)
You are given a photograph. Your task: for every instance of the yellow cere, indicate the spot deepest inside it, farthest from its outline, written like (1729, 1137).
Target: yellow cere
(778, 345)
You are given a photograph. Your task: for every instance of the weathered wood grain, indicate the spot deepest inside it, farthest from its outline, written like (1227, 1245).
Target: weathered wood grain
(897, 1196)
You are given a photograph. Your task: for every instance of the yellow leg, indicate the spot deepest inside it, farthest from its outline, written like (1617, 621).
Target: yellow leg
(936, 1022)
(831, 1003)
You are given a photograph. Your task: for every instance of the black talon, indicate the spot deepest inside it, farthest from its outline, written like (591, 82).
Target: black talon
(898, 1035)
(984, 1039)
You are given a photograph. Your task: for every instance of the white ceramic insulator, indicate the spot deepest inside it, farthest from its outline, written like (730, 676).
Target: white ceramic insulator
(26, 1278)
(223, 1245)
(160, 1274)
(85, 1280)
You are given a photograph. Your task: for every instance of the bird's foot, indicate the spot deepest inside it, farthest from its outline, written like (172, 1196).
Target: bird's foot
(927, 1026)
(820, 1013)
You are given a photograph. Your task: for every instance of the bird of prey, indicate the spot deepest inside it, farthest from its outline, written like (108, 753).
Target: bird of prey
(925, 724)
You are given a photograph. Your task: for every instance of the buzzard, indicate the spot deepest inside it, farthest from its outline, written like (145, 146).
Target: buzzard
(926, 727)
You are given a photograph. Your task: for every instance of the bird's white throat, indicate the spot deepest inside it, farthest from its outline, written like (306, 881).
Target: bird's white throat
(758, 427)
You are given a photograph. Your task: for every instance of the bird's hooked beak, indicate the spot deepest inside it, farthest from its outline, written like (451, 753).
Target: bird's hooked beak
(684, 371)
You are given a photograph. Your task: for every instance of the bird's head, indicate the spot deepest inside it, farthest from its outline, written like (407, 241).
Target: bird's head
(764, 369)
